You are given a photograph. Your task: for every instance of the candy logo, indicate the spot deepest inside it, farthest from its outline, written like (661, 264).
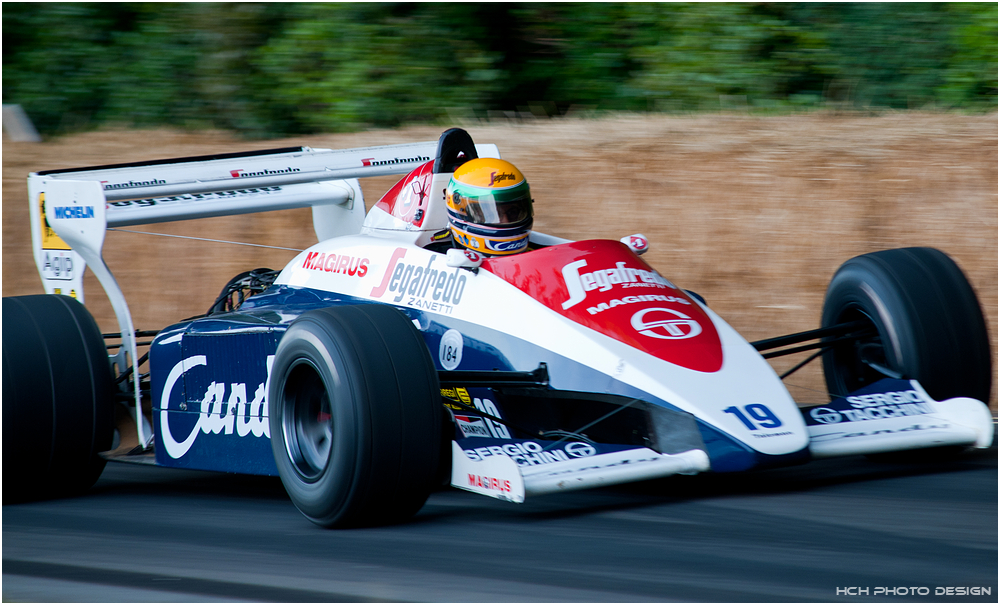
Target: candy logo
(509, 245)
(216, 416)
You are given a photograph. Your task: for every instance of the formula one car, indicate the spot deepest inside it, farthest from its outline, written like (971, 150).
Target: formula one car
(379, 364)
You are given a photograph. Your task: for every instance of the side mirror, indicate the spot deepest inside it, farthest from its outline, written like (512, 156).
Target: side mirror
(465, 259)
(636, 242)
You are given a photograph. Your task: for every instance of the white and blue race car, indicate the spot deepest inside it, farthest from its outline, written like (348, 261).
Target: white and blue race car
(378, 366)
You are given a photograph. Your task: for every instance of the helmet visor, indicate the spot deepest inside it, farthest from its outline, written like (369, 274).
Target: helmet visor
(491, 207)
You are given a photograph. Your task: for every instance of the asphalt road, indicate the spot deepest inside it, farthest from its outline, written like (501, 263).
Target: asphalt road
(807, 533)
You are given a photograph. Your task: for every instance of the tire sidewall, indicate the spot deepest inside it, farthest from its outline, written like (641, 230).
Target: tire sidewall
(861, 286)
(313, 342)
(929, 322)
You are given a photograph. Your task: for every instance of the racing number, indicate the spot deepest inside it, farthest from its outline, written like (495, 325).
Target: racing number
(758, 412)
(485, 405)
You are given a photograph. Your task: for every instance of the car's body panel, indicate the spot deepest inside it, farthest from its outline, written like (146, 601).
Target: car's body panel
(641, 378)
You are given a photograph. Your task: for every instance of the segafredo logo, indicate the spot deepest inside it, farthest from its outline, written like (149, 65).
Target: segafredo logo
(240, 173)
(423, 287)
(665, 324)
(374, 162)
(73, 211)
(218, 413)
(499, 177)
(132, 184)
(602, 280)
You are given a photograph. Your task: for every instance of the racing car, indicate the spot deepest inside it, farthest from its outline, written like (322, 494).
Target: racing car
(384, 362)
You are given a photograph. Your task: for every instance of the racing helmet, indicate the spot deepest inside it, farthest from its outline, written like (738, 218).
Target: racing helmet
(489, 207)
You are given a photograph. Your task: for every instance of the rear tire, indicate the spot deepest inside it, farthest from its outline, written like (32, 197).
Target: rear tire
(929, 324)
(355, 416)
(58, 398)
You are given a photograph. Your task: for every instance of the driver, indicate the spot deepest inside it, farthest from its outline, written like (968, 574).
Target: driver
(489, 207)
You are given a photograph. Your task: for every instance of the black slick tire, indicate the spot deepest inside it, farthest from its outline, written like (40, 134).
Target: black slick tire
(929, 324)
(58, 398)
(355, 416)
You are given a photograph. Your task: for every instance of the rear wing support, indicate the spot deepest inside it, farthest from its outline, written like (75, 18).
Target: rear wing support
(72, 209)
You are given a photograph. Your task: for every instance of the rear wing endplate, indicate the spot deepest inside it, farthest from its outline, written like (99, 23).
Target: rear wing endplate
(72, 209)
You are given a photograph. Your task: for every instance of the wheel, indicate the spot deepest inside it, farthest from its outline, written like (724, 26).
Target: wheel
(928, 324)
(58, 398)
(355, 416)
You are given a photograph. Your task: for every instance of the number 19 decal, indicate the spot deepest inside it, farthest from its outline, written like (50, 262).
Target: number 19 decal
(760, 416)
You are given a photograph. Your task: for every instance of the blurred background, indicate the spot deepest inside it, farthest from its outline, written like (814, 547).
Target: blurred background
(758, 146)
(274, 69)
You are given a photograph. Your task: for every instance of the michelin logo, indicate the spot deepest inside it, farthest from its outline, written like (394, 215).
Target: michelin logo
(74, 211)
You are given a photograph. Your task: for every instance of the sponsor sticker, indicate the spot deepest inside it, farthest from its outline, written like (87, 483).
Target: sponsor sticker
(195, 197)
(241, 173)
(50, 241)
(72, 212)
(57, 265)
(604, 279)
(225, 409)
(909, 429)
(132, 184)
(664, 323)
(333, 263)
(490, 483)
(885, 399)
(533, 453)
(472, 426)
(430, 287)
(390, 162)
(631, 300)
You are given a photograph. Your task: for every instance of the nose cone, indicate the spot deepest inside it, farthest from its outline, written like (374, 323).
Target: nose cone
(604, 286)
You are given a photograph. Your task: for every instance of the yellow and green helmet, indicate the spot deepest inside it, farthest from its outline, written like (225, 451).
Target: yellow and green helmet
(489, 207)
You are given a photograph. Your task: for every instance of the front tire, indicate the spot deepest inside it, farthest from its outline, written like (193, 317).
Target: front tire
(355, 416)
(927, 320)
(58, 398)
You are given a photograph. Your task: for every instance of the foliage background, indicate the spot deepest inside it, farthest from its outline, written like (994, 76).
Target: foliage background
(288, 68)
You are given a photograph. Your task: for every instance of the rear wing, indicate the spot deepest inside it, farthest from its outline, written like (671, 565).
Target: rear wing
(71, 209)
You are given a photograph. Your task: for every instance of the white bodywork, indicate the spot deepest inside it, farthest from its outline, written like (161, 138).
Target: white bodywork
(71, 210)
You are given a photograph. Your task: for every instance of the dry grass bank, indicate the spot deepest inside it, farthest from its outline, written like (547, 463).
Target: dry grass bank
(753, 213)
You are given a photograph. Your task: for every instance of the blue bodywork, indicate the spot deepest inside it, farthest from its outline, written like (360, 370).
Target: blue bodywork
(217, 368)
